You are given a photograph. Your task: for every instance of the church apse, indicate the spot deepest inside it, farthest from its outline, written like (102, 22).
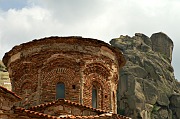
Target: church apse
(81, 70)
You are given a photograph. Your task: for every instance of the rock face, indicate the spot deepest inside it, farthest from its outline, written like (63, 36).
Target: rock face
(147, 88)
(4, 77)
(165, 47)
(2, 67)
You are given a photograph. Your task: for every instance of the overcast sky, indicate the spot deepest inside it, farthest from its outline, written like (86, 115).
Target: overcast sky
(25, 20)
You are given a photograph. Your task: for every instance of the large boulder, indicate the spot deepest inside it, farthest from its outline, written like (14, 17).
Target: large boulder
(175, 100)
(147, 85)
(163, 44)
(175, 105)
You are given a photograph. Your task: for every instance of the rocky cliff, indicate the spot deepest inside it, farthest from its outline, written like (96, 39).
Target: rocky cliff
(4, 77)
(2, 67)
(147, 87)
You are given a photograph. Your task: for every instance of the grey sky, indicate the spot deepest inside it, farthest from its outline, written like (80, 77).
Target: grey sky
(25, 20)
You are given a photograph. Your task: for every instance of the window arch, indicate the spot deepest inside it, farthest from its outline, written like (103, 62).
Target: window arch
(94, 97)
(26, 88)
(60, 91)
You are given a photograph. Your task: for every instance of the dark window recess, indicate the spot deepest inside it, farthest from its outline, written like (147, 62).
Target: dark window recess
(105, 96)
(94, 97)
(60, 91)
(73, 86)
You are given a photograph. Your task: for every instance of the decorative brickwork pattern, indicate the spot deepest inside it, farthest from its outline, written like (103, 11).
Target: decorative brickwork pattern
(36, 68)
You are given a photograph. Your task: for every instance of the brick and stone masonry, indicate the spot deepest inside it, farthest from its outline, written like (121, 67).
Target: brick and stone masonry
(81, 64)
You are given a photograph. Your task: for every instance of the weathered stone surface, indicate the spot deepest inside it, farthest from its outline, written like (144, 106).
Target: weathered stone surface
(177, 112)
(147, 80)
(175, 100)
(163, 44)
(2, 67)
(145, 38)
(80, 64)
(163, 99)
(164, 114)
(7, 99)
(82, 70)
(150, 92)
(138, 71)
(4, 77)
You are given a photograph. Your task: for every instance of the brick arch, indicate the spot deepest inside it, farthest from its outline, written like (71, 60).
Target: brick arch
(27, 77)
(60, 62)
(97, 68)
(62, 71)
(94, 78)
(99, 87)
(20, 71)
(103, 87)
(29, 86)
(26, 89)
(23, 79)
(97, 84)
(26, 85)
(50, 79)
(59, 68)
(62, 79)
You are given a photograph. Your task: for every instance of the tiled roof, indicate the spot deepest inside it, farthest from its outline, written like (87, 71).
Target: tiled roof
(63, 101)
(102, 113)
(34, 114)
(29, 113)
(6, 91)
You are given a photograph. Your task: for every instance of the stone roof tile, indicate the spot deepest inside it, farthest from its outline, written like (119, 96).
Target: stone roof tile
(63, 101)
(103, 114)
(29, 113)
(15, 96)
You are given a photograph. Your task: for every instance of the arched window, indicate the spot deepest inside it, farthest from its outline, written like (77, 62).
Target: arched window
(26, 88)
(60, 90)
(94, 97)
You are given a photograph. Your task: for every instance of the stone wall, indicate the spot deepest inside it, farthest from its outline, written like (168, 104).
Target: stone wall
(7, 100)
(36, 67)
(5, 107)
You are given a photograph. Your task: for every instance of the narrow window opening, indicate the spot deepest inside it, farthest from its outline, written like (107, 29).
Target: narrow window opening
(94, 97)
(60, 91)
